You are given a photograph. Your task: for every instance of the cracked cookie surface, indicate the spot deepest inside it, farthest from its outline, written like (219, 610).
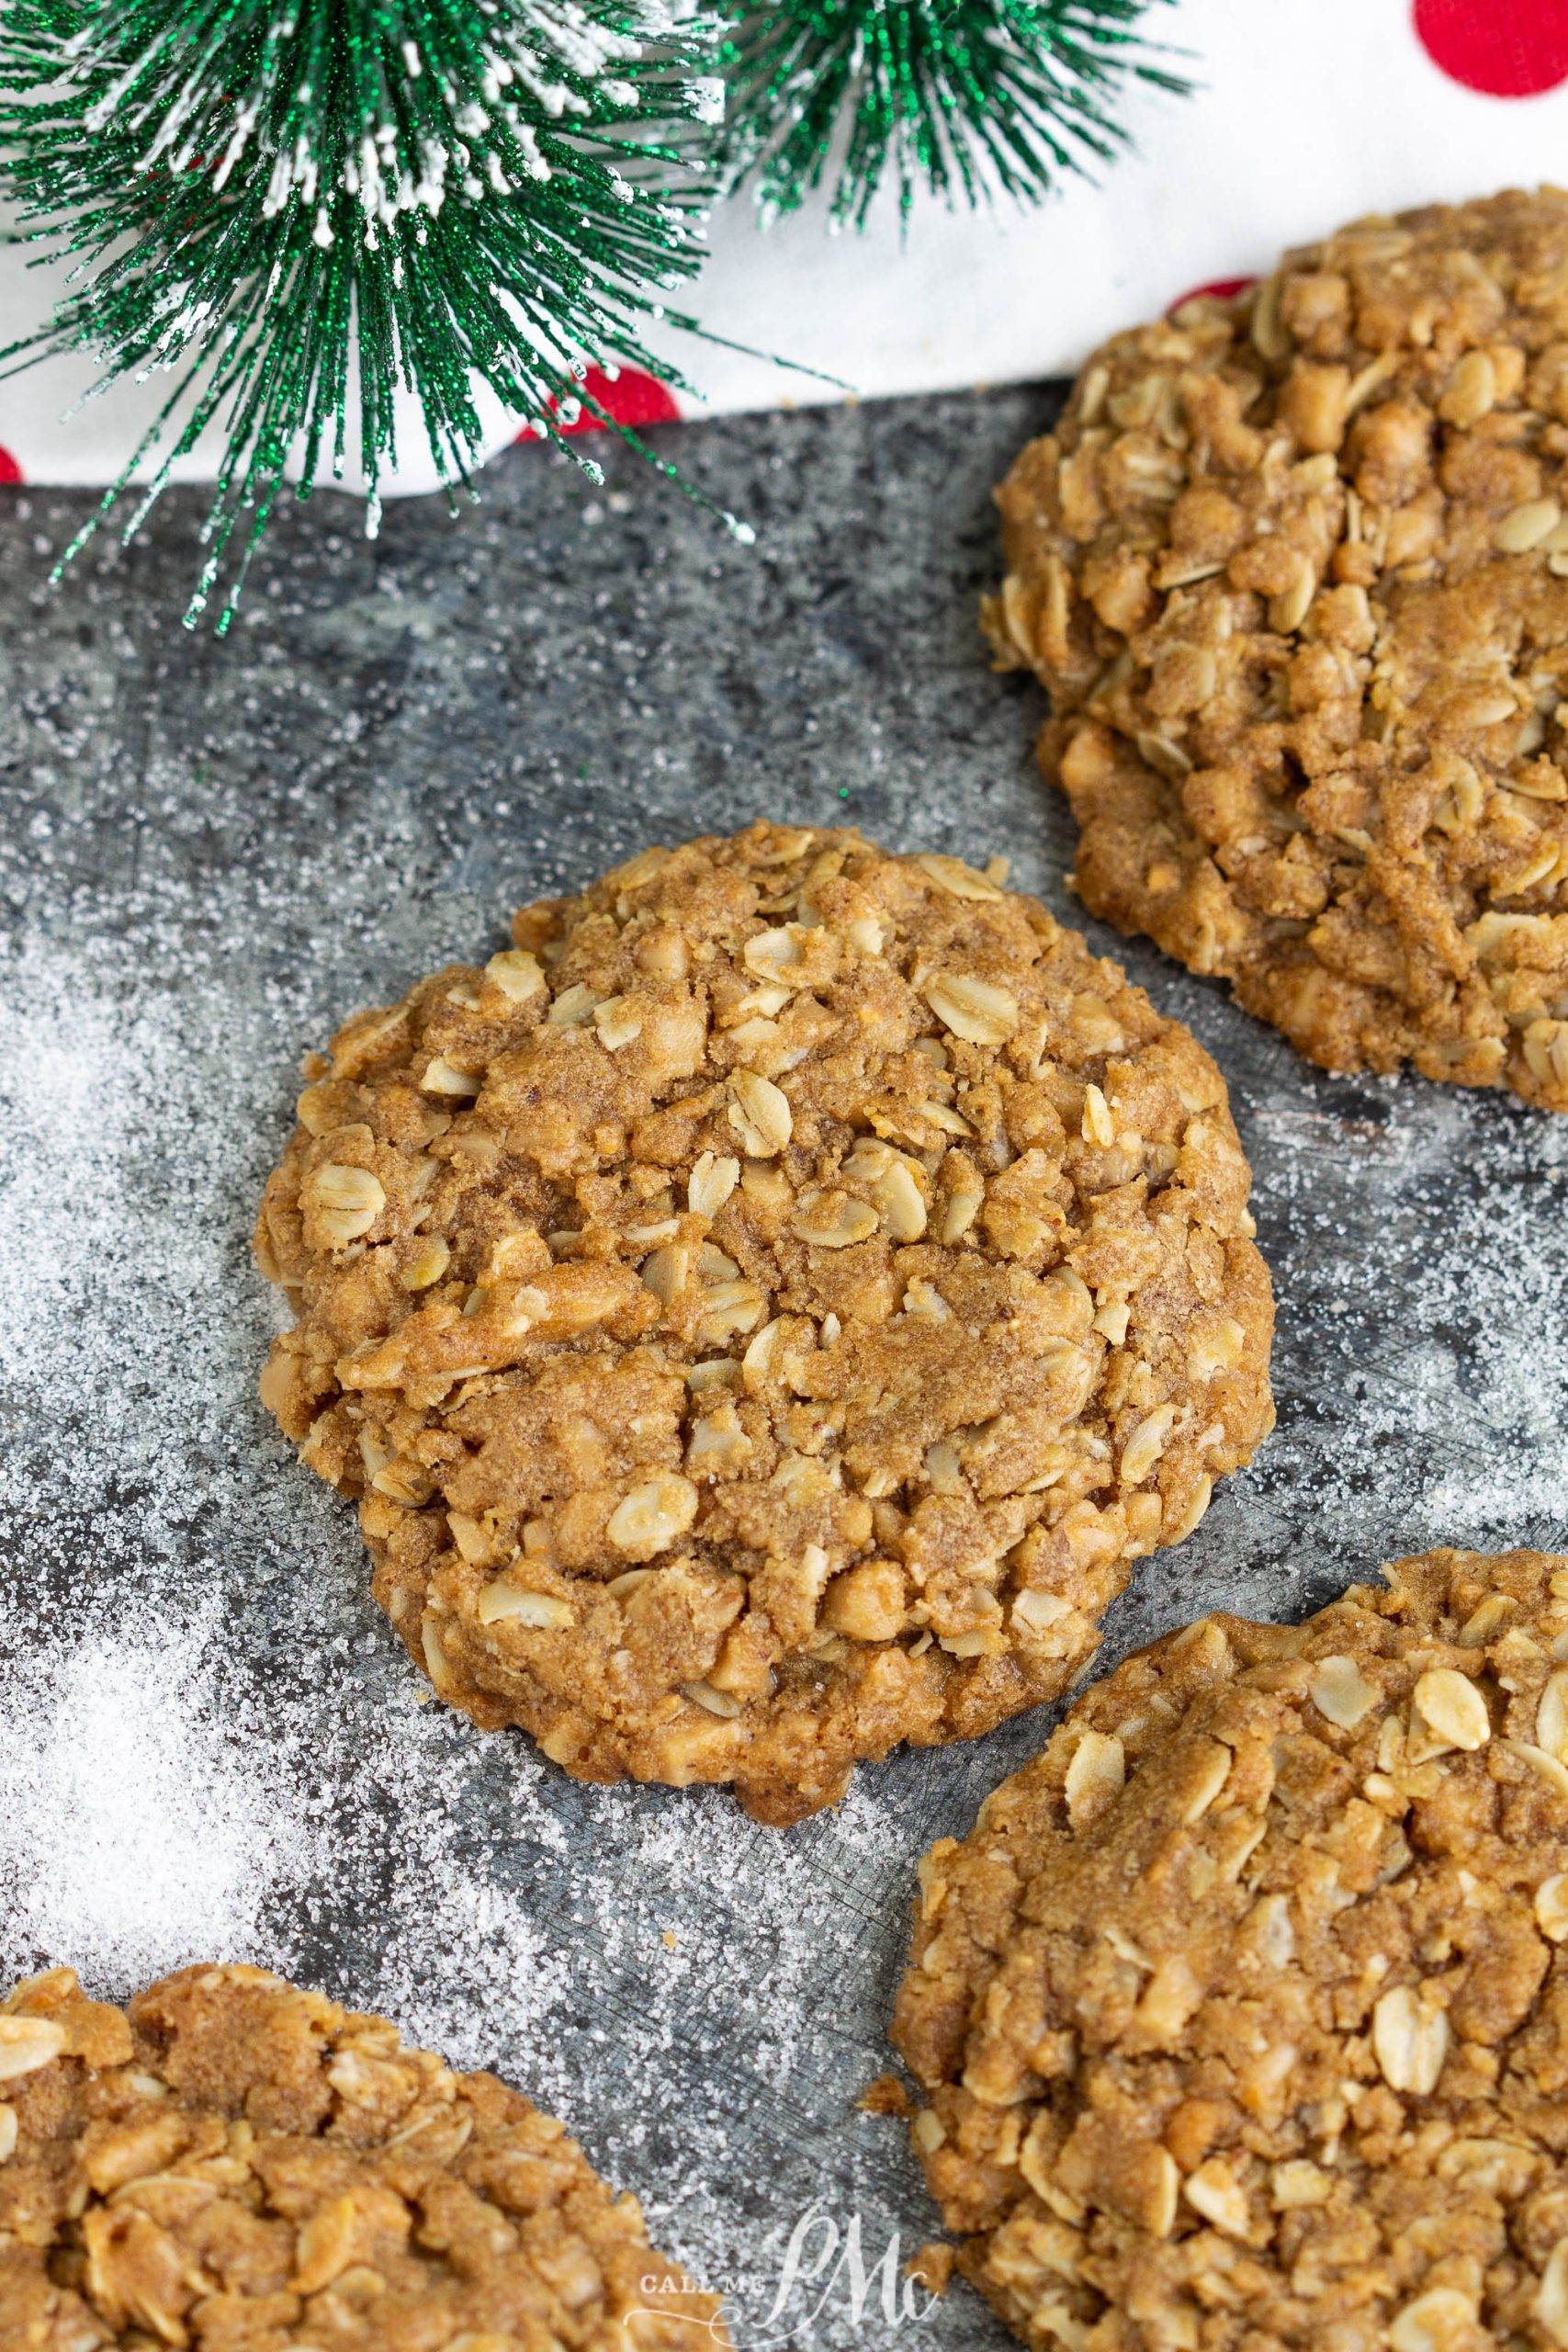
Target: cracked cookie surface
(1294, 569)
(232, 2165)
(762, 1314)
(1242, 2014)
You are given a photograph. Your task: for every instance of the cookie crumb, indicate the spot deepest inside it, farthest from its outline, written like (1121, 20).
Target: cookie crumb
(931, 2266)
(886, 2095)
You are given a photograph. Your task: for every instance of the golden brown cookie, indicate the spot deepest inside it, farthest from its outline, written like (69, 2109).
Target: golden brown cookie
(1242, 2014)
(232, 2165)
(1295, 568)
(762, 1314)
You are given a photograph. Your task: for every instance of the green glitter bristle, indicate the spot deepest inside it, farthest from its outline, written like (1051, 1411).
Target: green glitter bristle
(297, 207)
(962, 96)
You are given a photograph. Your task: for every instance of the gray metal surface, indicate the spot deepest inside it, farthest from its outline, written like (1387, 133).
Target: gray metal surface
(210, 1743)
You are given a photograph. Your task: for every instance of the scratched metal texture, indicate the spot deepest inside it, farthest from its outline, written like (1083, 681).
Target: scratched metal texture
(209, 852)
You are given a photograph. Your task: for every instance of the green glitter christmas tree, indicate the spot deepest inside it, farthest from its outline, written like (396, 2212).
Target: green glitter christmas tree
(962, 96)
(294, 206)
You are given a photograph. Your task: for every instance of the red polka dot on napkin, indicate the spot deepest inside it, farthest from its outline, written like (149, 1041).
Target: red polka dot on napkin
(631, 397)
(1221, 288)
(9, 469)
(1507, 49)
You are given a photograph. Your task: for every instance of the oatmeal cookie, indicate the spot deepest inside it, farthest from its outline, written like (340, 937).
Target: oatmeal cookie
(235, 2166)
(1295, 568)
(1242, 2015)
(762, 1313)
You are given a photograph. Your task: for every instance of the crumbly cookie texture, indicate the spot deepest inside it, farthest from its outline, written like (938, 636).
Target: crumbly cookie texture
(231, 2164)
(1294, 569)
(1242, 2015)
(762, 1313)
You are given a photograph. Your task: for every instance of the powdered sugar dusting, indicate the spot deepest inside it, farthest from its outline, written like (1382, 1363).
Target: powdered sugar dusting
(133, 1834)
